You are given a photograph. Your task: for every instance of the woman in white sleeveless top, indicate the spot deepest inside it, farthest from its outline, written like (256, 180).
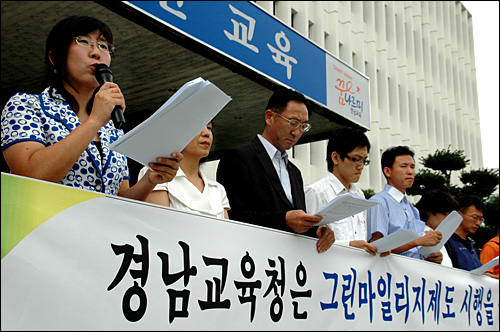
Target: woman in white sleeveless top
(191, 190)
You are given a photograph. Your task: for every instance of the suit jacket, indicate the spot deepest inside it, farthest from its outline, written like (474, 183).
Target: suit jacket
(254, 190)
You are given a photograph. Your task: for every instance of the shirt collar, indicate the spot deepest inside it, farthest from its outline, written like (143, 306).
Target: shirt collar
(271, 149)
(337, 186)
(396, 194)
(207, 181)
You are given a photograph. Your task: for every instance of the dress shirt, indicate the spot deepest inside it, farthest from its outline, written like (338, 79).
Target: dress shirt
(185, 196)
(446, 258)
(322, 192)
(393, 213)
(280, 163)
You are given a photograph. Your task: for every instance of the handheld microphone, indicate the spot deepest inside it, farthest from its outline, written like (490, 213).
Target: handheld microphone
(103, 74)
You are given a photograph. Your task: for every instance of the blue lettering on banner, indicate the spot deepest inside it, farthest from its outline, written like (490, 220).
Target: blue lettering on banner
(247, 33)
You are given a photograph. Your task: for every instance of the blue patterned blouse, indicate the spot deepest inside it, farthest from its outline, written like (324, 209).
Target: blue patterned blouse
(42, 118)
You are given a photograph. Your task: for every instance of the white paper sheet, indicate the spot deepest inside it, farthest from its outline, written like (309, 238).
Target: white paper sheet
(174, 124)
(342, 207)
(447, 227)
(486, 267)
(395, 240)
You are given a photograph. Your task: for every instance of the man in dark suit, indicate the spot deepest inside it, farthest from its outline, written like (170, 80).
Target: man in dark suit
(262, 186)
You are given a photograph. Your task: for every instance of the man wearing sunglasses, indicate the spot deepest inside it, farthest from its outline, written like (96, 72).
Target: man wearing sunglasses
(265, 188)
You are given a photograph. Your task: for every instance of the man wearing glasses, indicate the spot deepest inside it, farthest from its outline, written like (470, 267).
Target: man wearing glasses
(459, 246)
(263, 187)
(346, 156)
(394, 211)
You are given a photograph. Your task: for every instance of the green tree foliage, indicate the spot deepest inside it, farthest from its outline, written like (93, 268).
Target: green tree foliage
(368, 193)
(446, 161)
(426, 180)
(481, 183)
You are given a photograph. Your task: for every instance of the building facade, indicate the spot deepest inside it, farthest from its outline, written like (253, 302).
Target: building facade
(419, 57)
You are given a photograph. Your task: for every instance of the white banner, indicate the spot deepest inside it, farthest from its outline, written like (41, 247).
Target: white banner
(110, 263)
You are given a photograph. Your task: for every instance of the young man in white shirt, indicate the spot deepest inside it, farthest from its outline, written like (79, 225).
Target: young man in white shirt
(347, 155)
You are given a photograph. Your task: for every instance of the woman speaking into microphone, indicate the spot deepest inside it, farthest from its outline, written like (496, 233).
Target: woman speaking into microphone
(63, 134)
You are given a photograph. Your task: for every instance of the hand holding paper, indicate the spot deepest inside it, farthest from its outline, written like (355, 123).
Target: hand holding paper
(342, 207)
(174, 124)
(447, 227)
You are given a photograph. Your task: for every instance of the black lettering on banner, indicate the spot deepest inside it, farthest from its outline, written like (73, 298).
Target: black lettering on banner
(134, 315)
(169, 279)
(128, 251)
(301, 281)
(251, 285)
(128, 254)
(273, 285)
(173, 295)
(216, 303)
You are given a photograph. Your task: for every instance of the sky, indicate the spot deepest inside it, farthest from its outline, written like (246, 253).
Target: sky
(485, 23)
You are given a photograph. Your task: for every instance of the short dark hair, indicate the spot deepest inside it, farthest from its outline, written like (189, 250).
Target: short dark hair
(281, 97)
(436, 201)
(58, 41)
(389, 155)
(465, 202)
(343, 140)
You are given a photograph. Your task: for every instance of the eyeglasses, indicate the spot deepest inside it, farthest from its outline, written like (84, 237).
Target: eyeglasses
(475, 217)
(359, 162)
(296, 123)
(102, 45)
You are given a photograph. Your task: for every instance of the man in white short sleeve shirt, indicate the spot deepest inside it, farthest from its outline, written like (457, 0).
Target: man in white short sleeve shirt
(347, 155)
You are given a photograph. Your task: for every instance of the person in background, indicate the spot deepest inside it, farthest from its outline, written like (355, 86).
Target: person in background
(460, 246)
(490, 251)
(346, 156)
(434, 206)
(191, 190)
(63, 134)
(394, 211)
(263, 186)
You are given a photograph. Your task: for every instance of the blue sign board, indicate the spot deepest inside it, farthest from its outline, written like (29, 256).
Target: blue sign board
(247, 33)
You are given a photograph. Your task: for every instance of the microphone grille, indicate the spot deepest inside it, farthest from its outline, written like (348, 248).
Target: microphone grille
(102, 67)
(103, 73)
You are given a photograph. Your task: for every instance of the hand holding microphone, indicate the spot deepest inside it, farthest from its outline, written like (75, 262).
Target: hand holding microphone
(103, 74)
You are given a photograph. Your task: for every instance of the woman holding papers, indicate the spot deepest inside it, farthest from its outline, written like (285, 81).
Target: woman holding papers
(63, 134)
(191, 190)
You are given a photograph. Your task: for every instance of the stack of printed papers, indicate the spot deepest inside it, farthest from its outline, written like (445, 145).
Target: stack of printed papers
(174, 124)
(342, 207)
